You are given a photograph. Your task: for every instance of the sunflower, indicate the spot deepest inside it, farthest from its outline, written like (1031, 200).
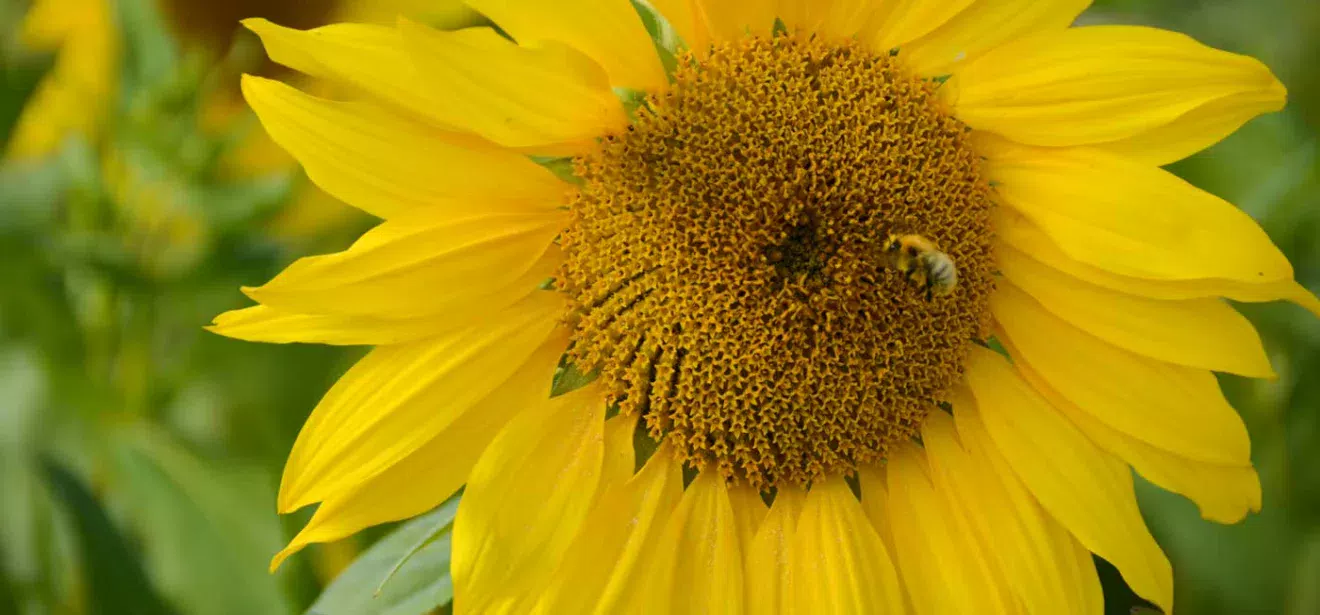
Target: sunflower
(77, 93)
(632, 288)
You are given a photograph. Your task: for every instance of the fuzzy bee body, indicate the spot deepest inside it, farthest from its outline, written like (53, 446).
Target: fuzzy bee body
(923, 263)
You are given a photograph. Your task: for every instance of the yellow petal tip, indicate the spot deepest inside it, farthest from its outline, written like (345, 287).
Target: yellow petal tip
(285, 554)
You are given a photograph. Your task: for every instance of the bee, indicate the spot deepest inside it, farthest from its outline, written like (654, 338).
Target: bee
(923, 263)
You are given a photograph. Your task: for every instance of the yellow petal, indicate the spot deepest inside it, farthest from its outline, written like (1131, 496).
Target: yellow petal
(730, 21)
(1025, 237)
(620, 457)
(684, 16)
(527, 497)
(609, 31)
(748, 511)
(1178, 409)
(1081, 486)
(548, 98)
(699, 562)
(368, 58)
(624, 528)
(1106, 84)
(1199, 128)
(440, 465)
(385, 165)
(831, 18)
(398, 397)
(1151, 224)
(944, 569)
(909, 20)
(875, 501)
(770, 563)
(840, 565)
(1204, 333)
(410, 267)
(982, 26)
(1224, 493)
(447, 14)
(76, 95)
(261, 323)
(1037, 557)
(265, 324)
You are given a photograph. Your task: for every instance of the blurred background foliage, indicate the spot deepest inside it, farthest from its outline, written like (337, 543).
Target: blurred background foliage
(140, 455)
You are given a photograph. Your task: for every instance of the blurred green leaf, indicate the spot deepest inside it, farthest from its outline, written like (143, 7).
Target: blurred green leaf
(19, 78)
(406, 573)
(8, 597)
(186, 506)
(29, 194)
(151, 53)
(115, 580)
(231, 206)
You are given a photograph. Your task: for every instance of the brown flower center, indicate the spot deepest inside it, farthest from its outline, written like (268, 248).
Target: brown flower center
(726, 259)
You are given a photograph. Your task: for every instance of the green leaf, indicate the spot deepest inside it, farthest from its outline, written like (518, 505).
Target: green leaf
(662, 34)
(8, 597)
(19, 77)
(569, 378)
(30, 193)
(151, 53)
(115, 580)
(406, 573)
(208, 528)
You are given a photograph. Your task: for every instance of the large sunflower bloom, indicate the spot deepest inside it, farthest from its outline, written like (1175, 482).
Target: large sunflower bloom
(717, 269)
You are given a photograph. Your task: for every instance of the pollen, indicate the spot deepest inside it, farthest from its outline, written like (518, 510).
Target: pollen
(726, 268)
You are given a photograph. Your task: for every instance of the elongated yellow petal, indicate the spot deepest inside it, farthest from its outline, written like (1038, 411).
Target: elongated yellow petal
(748, 511)
(398, 397)
(700, 562)
(875, 501)
(599, 573)
(1199, 128)
(1108, 84)
(266, 324)
(609, 31)
(770, 563)
(368, 58)
(1204, 333)
(1025, 237)
(261, 323)
(1035, 554)
(729, 21)
(527, 497)
(1150, 225)
(944, 569)
(982, 26)
(385, 165)
(909, 20)
(1224, 492)
(831, 18)
(1178, 409)
(620, 457)
(410, 268)
(548, 98)
(1081, 486)
(840, 565)
(686, 19)
(433, 472)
